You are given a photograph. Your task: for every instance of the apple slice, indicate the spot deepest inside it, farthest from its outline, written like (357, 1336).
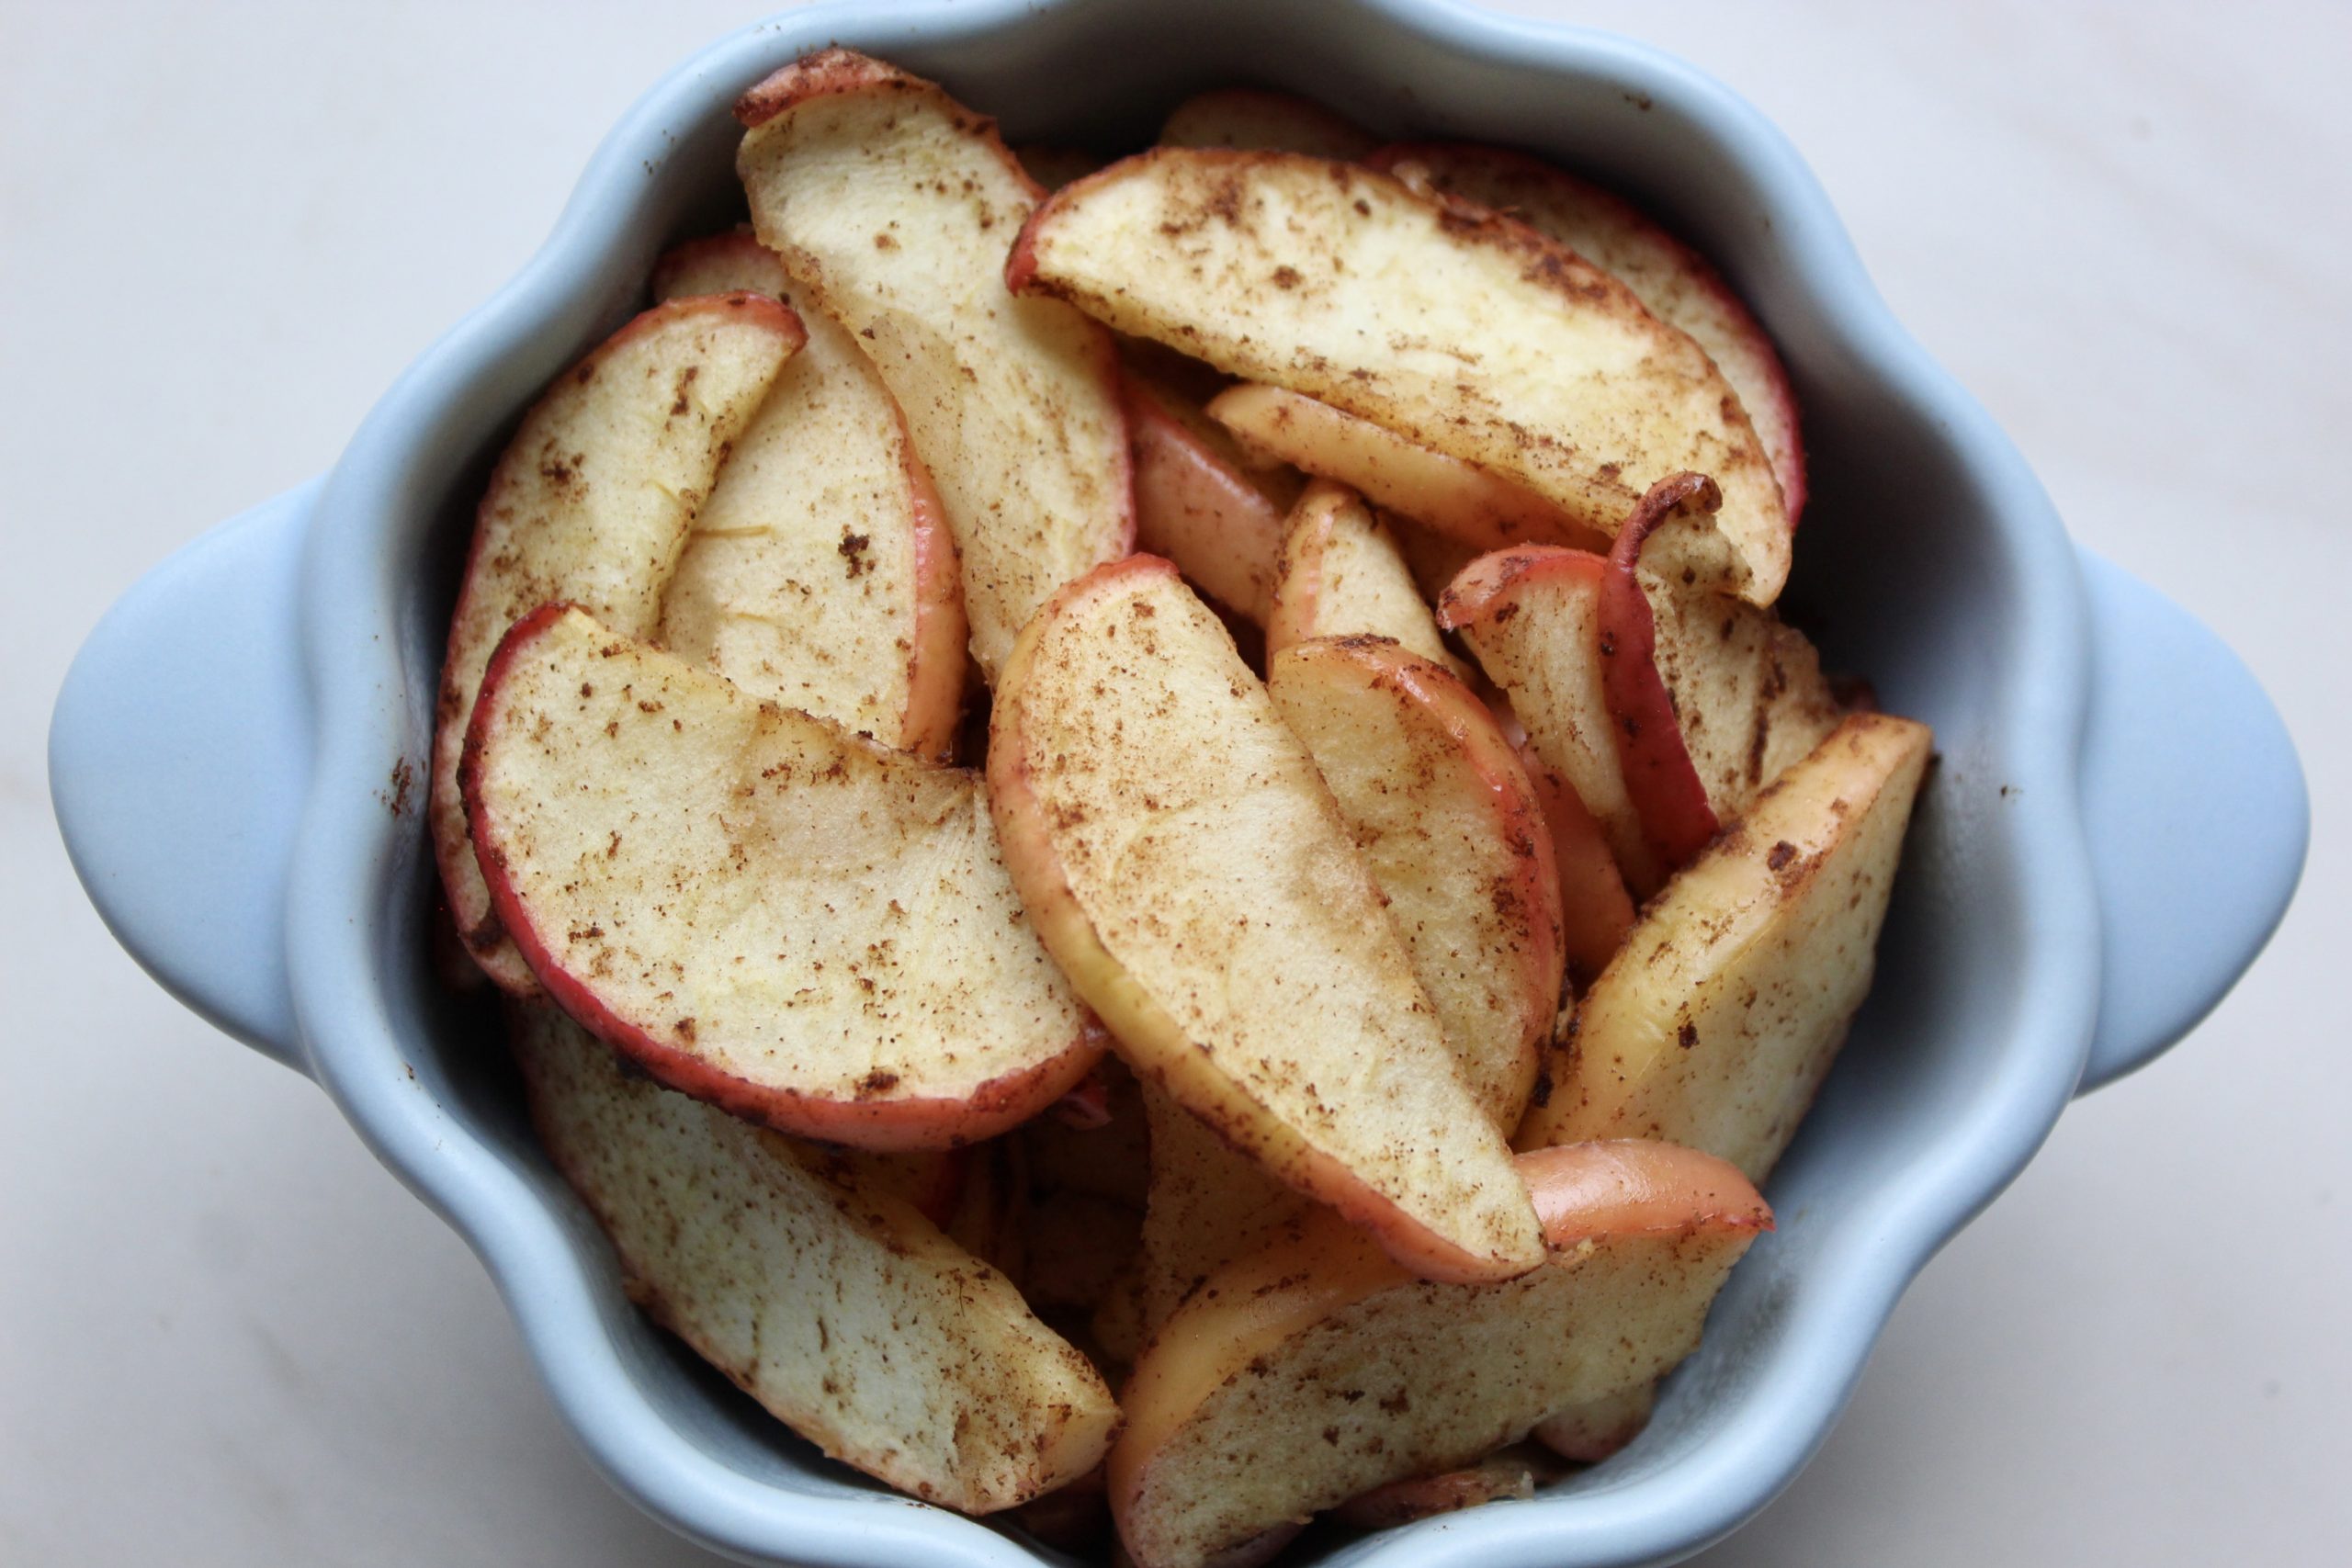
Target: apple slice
(1207, 1206)
(1673, 280)
(1461, 501)
(1314, 1370)
(1455, 837)
(820, 573)
(1255, 117)
(890, 202)
(1511, 1475)
(1718, 1018)
(1189, 870)
(1531, 616)
(1747, 695)
(1592, 1430)
(1458, 329)
(836, 1304)
(761, 910)
(1343, 575)
(1677, 816)
(1199, 509)
(592, 501)
(1595, 909)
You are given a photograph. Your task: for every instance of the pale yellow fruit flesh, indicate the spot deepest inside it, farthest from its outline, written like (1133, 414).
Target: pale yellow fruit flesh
(1545, 656)
(591, 504)
(1191, 873)
(1341, 574)
(1459, 500)
(1676, 286)
(765, 909)
(1749, 693)
(1311, 1370)
(818, 573)
(894, 205)
(1455, 838)
(839, 1308)
(1207, 1205)
(1466, 333)
(1254, 118)
(1716, 1021)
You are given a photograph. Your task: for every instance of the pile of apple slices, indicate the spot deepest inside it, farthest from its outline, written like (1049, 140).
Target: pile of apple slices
(1336, 975)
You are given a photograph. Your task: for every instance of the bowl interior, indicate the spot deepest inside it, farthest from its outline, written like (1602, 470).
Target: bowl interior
(1909, 570)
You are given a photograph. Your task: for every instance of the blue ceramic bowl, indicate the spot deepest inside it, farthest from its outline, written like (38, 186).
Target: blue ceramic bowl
(2115, 827)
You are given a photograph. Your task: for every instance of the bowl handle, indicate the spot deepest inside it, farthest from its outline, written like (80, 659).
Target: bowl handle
(2194, 805)
(179, 756)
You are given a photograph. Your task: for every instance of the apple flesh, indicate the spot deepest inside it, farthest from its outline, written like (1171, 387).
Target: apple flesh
(1718, 1018)
(1457, 330)
(820, 573)
(1595, 909)
(592, 501)
(1473, 505)
(1532, 617)
(1590, 1431)
(832, 1301)
(1748, 693)
(889, 202)
(1341, 574)
(655, 842)
(1675, 816)
(1199, 509)
(1254, 118)
(1510, 1476)
(1673, 280)
(1455, 837)
(1314, 1370)
(1187, 867)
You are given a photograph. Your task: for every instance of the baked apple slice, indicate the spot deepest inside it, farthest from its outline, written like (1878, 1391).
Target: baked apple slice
(1461, 501)
(1314, 1370)
(1188, 868)
(1716, 1022)
(1595, 909)
(1193, 505)
(1207, 1205)
(1455, 838)
(1511, 1475)
(759, 908)
(1459, 330)
(1343, 575)
(820, 574)
(831, 1299)
(592, 501)
(1746, 695)
(1532, 617)
(1257, 117)
(1592, 1429)
(1673, 280)
(890, 203)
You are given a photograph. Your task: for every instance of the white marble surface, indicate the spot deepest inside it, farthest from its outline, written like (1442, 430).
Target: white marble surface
(227, 1336)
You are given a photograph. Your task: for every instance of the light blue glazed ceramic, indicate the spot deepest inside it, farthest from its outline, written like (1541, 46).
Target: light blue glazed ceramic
(2116, 825)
